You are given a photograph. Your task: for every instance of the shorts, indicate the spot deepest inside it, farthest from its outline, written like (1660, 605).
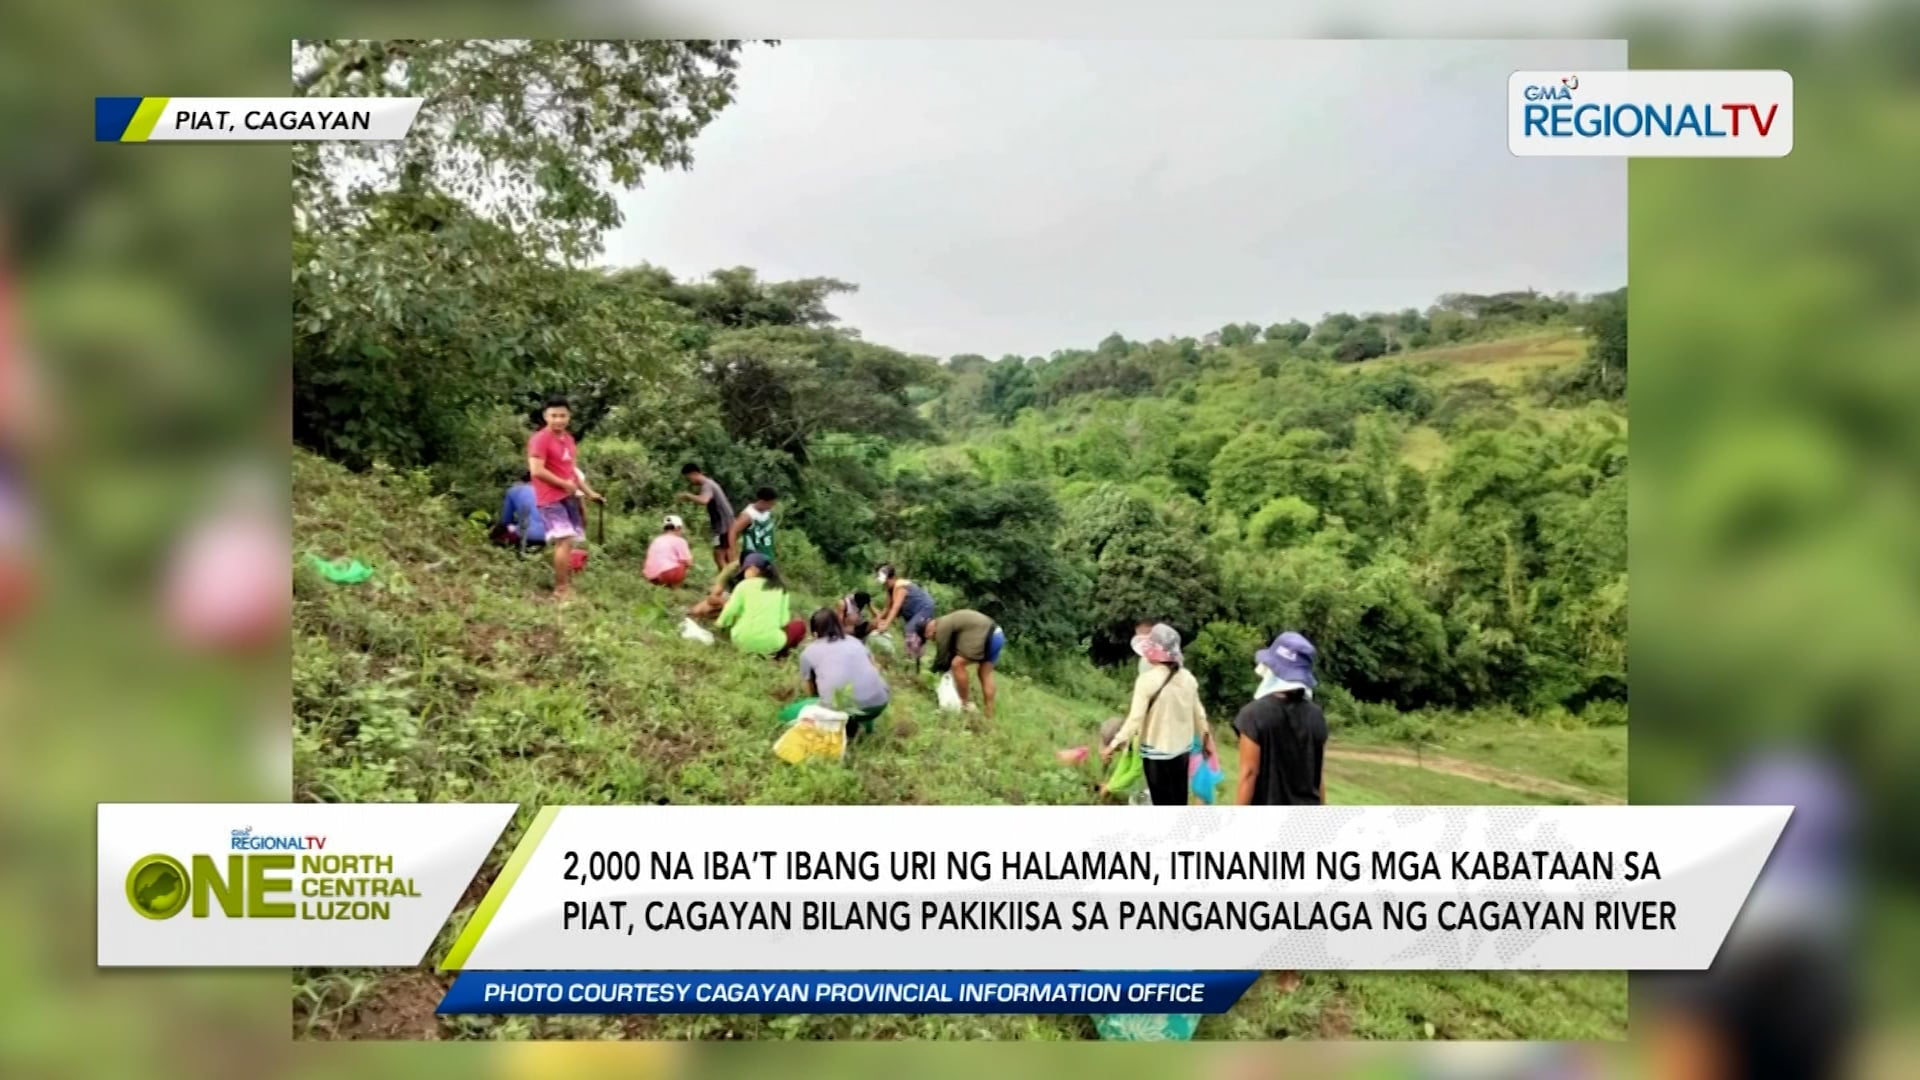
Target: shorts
(675, 576)
(994, 644)
(559, 522)
(796, 633)
(720, 537)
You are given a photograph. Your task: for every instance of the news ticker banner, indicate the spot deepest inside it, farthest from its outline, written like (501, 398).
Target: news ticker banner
(920, 909)
(180, 119)
(1650, 113)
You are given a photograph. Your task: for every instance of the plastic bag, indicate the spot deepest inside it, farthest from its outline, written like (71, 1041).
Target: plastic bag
(817, 733)
(1203, 774)
(1127, 777)
(341, 571)
(1145, 1027)
(693, 631)
(792, 712)
(949, 696)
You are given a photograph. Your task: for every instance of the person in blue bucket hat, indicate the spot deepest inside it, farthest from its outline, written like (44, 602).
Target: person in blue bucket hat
(1283, 733)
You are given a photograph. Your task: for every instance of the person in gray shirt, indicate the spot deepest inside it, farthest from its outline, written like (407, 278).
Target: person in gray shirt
(719, 512)
(835, 660)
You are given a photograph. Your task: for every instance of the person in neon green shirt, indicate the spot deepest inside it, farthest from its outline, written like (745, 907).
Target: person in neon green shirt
(758, 616)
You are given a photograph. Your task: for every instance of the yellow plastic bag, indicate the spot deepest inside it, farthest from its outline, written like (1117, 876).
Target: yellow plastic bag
(817, 733)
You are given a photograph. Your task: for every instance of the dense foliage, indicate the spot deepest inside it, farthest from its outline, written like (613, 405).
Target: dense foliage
(1449, 526)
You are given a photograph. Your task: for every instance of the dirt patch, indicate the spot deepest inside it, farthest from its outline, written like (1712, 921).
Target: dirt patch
(670, 754)
(402, 1008)
(482, 640)
(1335, 1020)
(1467, 770)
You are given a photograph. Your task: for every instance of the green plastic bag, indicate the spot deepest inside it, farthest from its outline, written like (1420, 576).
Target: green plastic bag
(1127, 772)
(792, 712)
(1146, 1027)
(341, 571)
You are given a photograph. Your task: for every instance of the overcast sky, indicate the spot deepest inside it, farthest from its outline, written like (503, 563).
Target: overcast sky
(1022, 197)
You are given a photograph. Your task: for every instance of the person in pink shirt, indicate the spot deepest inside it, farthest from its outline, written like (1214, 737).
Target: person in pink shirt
(550, 462)
(669, 557)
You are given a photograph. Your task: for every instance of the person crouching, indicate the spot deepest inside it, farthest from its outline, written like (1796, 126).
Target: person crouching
(669, 557)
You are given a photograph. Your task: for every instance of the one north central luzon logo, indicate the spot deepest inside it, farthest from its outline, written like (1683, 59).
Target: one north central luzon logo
(315, 884)
(1558, 110)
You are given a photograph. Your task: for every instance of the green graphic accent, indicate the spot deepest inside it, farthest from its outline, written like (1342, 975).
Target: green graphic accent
(147, 115)
(476, 926)
(157, 887)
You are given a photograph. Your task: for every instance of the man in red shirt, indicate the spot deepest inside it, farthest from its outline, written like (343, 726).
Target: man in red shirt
(550, 461)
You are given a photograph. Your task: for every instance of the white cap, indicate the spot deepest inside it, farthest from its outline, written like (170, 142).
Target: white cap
(673, 522)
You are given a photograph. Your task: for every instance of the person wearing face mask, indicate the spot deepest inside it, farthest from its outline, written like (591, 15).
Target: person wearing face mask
(1166, 717)
(1283, 734)
(909, 603)
(1142, 629)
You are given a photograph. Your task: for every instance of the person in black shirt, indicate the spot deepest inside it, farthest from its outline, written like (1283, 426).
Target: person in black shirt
(1283, 734)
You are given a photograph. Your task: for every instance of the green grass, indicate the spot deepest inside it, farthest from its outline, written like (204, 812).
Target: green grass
(1423, 447)
(1589, 757)
(1508, 362)
(451, 675)
(1366, 783)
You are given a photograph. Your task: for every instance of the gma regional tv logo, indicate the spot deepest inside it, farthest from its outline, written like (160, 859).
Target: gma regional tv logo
(256, 885)
(1650, 114)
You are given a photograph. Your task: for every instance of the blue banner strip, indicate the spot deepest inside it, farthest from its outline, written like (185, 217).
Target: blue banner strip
(920, 992)
(111, 115)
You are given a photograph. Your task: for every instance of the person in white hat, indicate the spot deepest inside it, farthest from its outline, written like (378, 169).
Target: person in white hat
(669, 557)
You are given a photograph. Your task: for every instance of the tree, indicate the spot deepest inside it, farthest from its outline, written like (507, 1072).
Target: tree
(783, 386)
(1333, 328)
(994, 544)
(1290, 333)
(1603, 374)
(1139, 566)
(1363, 342)
(528, 134)
(1447, 326)
(1609, 352)
(1010, 388)
(1283, 522)
(402, 336)
(1239, 334)
(737, 298)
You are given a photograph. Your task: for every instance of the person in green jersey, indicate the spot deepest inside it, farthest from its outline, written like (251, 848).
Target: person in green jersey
(753, 530)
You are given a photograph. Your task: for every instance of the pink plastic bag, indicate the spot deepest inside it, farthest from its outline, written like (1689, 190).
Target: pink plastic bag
(1073, 755)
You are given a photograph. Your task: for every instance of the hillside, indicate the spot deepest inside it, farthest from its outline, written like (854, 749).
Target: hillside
(451, 675)
(1436, 497)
